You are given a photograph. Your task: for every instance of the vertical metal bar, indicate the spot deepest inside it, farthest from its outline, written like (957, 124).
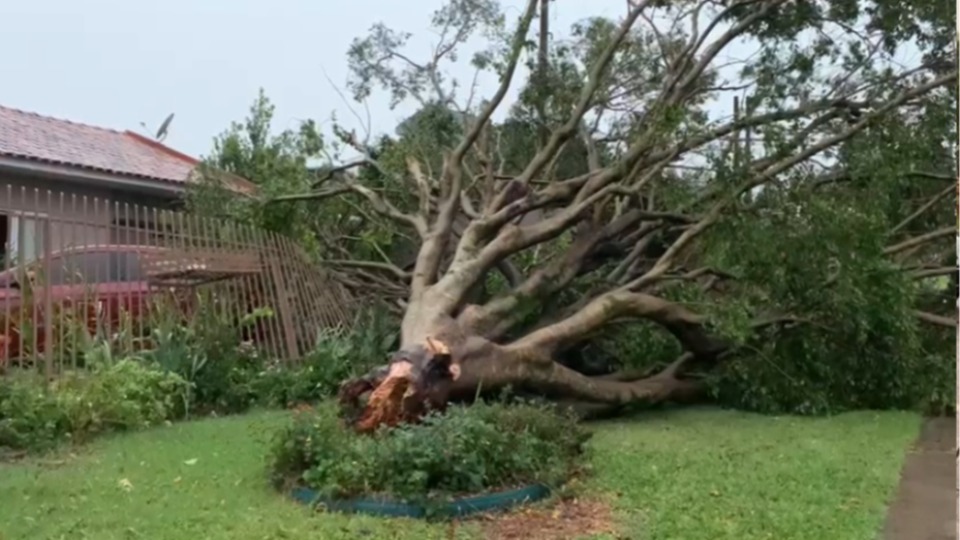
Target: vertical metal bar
(6, 346)
(78, 321)
(87, 305)
(177, 239)
(26, 289)
(257, 297)
(303, 299)
(139, 293)
(270, 289)
(220, 251)
(159, 301)
(64, 304)
(286, 315)
(102, 309)
(117, 260)
(186, 252)
(48, 315)
(37, 280)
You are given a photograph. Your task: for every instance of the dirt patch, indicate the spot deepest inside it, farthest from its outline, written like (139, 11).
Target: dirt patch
(925, 507)
(563, 520)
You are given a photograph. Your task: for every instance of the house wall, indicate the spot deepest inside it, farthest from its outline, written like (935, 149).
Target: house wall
(68, 213)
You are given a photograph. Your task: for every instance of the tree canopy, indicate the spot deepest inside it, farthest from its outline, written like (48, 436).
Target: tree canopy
(752, 197)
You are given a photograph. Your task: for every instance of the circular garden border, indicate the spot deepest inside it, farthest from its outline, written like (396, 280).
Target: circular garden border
(457, 508)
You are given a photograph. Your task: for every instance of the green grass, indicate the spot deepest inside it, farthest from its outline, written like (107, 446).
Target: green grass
(711, 474)
(686, 475)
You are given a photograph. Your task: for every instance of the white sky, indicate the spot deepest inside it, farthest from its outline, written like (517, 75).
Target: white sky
(116, 63)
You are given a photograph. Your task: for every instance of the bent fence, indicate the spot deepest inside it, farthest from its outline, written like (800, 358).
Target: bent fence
(76, 269)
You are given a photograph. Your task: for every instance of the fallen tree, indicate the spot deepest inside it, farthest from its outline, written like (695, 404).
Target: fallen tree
(660, 178)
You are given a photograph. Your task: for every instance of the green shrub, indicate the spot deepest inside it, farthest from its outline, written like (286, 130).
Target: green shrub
(30, 416)
(207, 351)
(126, 395)
(337, 355)
(467, 450)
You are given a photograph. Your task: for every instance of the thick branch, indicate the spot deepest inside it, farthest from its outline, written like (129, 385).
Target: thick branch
(584, 101)
(567, 382)
(685, 325)
(920, 240)
(933, 318)
(428, 259)
(923, 209)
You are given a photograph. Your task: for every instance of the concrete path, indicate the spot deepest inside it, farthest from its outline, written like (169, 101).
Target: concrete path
(925, 507)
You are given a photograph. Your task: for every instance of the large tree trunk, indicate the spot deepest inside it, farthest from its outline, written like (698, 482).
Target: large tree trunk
(442, 358)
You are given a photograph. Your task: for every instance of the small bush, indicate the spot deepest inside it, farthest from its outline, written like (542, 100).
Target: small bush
(207, 351)
(337, 356)
(468, 450)
(126, 395)
(30, 416)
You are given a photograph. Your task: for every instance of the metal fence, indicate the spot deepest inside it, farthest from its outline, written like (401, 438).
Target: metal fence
(75, 268)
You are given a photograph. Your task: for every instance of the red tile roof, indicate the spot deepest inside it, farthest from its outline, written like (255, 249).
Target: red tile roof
(34, 137)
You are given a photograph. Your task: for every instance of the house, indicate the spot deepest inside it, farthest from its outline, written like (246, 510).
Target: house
(65, 183)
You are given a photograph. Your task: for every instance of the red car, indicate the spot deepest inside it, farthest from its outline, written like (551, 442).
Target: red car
(100, 283)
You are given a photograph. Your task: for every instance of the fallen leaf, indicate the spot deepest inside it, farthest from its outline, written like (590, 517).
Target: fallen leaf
(190, 461)
(125, 484)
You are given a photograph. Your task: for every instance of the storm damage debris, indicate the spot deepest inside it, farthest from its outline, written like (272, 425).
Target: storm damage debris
(415, 382)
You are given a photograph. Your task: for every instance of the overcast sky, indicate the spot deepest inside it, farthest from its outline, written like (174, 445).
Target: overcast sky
(116, 63)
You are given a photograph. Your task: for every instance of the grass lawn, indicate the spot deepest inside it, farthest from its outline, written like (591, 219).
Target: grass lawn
(684, 475)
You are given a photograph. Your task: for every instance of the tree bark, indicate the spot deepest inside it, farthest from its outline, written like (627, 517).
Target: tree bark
(412, 384)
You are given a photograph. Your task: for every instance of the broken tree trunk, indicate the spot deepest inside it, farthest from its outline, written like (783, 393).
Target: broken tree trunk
(425, 375)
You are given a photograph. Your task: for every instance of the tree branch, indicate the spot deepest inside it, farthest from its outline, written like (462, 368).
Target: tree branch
(684, 324)
(938, 320)
(934, 272)
(923, 209)
(435, 241)
(920, 240)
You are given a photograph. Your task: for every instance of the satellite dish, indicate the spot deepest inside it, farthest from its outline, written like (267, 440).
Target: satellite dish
(162, 132)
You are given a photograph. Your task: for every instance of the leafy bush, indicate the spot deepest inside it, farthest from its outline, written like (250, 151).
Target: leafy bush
(338, 355)
(30, 416)
(859, 344)
(122, 396)
(467, 450)
(207, 351)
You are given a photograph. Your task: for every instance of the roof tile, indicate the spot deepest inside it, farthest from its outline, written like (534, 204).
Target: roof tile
(31, 136)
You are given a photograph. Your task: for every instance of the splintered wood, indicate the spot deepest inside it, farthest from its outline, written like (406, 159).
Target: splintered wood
(398, 398)
(385, 407)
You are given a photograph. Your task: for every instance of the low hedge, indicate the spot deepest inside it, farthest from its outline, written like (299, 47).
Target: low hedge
(467, 450)
(126, 395)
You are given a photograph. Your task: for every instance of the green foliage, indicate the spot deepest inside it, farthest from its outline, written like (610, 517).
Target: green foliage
(859, 345)
(808, 241)
(208, 352)
(938, 378)
(336, 357)
(467, 450)
(30, 417)
(279, 164)
(125, 395)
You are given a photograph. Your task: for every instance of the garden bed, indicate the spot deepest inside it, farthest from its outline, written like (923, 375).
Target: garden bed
(469, 460)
